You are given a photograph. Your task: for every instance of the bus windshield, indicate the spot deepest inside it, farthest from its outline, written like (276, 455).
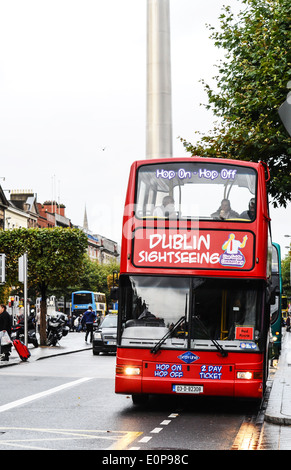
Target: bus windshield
(82, 298)
(211, 191)
(206, 309)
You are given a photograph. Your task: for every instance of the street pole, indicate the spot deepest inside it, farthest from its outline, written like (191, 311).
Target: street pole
(22, 277)
(25, 301)
(159, 92)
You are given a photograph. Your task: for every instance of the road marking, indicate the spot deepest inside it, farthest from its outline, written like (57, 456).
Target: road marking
(121, 438)
(145, 439)
(165, 422)
(124, 441)
(156, 430)
(36, 396)
(26, 446)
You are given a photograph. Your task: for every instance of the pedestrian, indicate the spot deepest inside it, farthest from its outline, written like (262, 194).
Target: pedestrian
(5, 325)
(38, 320)
(88, 320)
(288, 323)
(77, 323)
(73, 318)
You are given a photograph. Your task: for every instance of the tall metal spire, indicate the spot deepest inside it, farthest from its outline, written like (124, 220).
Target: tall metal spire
(159, 89)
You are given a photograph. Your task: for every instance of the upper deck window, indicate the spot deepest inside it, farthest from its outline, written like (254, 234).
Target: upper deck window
(211, 191)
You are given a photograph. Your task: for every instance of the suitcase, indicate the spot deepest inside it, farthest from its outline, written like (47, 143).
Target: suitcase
(22, 350)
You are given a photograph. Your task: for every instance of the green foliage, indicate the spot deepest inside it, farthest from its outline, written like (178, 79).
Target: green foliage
(286, 275)
(251, 86)
(95, 277)
(55, 256)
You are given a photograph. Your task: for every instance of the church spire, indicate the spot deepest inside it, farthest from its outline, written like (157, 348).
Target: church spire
(85, 223)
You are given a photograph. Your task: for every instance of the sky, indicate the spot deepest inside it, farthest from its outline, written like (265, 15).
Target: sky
(73, 99)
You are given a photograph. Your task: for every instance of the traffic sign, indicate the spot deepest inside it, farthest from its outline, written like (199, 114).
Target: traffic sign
(2, 268)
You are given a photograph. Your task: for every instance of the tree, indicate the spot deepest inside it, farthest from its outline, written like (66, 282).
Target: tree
(251, 85)
(95, 277)
(286, 269)
(55, 259)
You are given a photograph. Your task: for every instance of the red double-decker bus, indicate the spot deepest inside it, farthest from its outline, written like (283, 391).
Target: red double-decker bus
(195, 279)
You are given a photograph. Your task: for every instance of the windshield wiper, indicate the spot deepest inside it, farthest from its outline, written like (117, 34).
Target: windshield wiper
(216, 344)
(155, 349)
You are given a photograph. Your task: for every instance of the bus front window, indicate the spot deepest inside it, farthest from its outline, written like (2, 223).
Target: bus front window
(226, 310)
(204, 310)
(151, 306)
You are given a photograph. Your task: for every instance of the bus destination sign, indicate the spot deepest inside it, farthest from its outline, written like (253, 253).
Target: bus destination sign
(203, 249)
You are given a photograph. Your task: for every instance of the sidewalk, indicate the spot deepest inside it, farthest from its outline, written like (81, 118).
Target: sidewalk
(279, 404)
(73, 342)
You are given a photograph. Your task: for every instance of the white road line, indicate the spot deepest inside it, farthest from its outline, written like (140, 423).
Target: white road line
(165, 422)
(25, 400)
(157, 430)
(145, 439)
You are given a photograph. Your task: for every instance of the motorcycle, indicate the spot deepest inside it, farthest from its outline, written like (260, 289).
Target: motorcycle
(17, 332)
(56, 328)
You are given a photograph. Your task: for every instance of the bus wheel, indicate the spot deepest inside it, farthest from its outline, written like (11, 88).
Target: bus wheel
(139, 399)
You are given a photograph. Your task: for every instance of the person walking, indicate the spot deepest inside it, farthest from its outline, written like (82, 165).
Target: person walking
(288, 323)
(88, 320)
(5, 325)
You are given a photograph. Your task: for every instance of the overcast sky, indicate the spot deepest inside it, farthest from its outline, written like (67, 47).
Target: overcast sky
(73, 98)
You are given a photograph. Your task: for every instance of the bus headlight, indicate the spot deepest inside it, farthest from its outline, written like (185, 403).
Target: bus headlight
(248, 375)
(132, 370)
(128, 370)
(244, 375)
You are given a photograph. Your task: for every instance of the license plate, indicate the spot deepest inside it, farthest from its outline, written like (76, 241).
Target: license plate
(111, 342)
(188, 389)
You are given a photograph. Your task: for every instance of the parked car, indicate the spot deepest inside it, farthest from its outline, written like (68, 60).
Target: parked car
(104, 338)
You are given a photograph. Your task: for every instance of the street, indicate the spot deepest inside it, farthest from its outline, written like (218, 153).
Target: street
(68, 403)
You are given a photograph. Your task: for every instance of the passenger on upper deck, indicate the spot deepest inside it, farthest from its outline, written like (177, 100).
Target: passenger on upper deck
(167, 209)
(251, 213)
(225, 211)
(146, 314)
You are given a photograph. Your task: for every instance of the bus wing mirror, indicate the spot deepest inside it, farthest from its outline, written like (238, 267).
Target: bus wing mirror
(272, 300)
(274, 293)
(114, 293)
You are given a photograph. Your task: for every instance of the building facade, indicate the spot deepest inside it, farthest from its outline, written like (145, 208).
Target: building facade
(23, 211)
